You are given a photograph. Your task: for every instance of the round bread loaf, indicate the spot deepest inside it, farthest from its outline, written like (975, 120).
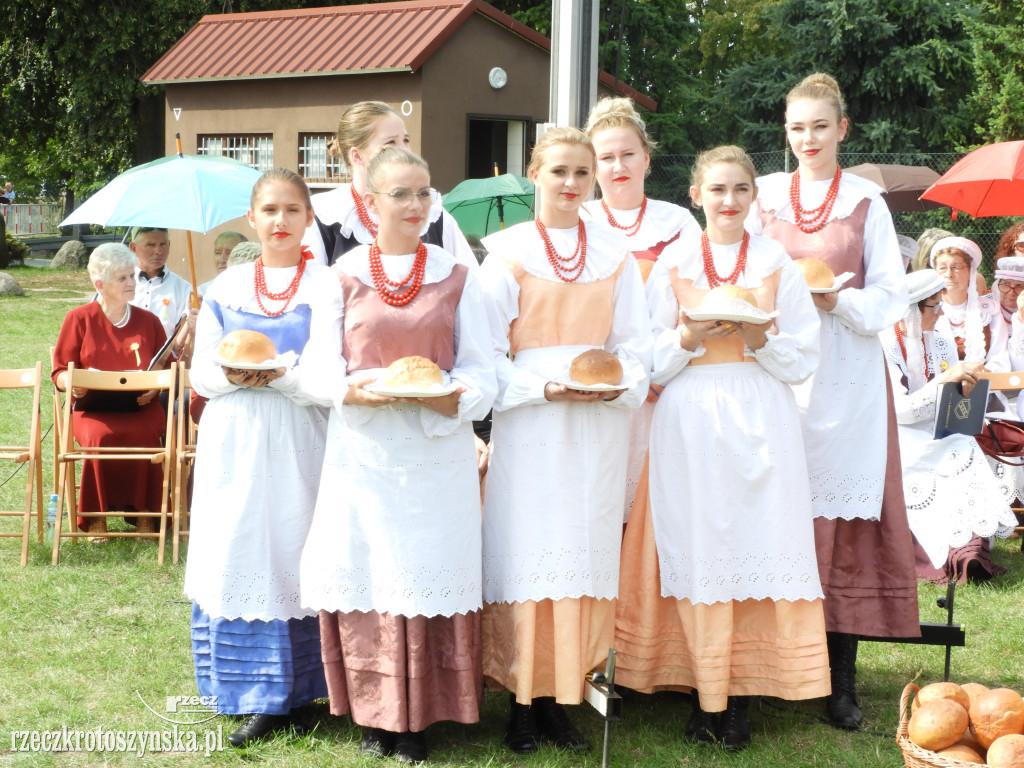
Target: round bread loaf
(728, 292)
(937, 724)
(413, 371)
(246, 347)
(973, 691)
(1000, 712)
(936, 691)
(962, 753)
(596, 366)
(817, 273)
(1007, 752)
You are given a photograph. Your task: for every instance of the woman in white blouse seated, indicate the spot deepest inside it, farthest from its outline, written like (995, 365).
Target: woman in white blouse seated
(974, 322)
(953, 500)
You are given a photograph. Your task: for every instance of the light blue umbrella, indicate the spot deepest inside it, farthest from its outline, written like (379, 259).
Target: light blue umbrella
(190, 192)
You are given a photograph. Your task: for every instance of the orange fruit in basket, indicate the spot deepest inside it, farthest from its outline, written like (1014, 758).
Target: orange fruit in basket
(962, 753)
(937, 724)
(999, 712)
(1007, 752)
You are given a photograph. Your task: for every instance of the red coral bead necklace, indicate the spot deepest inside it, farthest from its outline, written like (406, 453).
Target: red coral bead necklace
(567, 268)
(414, 280)
(286, 295)
(715, 279)
(812, 219)
(364, 215)
(630, 229)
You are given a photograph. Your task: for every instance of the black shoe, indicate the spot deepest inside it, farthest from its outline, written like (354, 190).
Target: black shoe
(522, 734)
(703, 726)
(377, 742)
(410, 747)
(556, 727)
(843, 711)
(734, 725)
(255, 727)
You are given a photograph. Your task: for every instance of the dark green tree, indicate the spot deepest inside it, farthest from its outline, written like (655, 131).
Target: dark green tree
(998, 46)
(905, 67)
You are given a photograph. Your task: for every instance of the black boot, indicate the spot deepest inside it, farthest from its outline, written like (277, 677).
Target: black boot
(555, 725)
(734, 728)
(255, 727)
(377, 742)
(522, 734)
(410, 747)
(703, 726)
(843, 711)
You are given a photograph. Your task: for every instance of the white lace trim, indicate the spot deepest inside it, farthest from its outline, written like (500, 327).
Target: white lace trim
(768, 576)
(662, 221)
(833, 495)
(570, 572)
(764, 257)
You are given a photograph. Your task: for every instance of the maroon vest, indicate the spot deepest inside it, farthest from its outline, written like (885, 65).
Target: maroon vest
(840, 243)
(376, 334)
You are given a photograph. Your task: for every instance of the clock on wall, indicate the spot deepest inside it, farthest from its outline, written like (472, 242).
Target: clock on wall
(497, 77)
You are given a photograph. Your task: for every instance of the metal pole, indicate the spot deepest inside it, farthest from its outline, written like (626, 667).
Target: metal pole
(573, 61)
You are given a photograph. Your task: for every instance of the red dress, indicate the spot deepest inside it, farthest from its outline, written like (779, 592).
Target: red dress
(89, 340)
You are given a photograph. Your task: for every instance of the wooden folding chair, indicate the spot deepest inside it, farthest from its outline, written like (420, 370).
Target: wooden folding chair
(184, 459)
(70, 452)
(31, 455)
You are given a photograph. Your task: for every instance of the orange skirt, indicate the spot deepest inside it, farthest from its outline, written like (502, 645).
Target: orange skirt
(546, 648)
(734, 648)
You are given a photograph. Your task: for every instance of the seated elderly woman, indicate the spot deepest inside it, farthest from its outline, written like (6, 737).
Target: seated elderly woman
(953, 500)
(973, 321)
(222, 247)
(110, 334)
(1008, 288)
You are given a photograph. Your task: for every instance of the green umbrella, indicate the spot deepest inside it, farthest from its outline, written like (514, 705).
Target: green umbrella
(482, 206)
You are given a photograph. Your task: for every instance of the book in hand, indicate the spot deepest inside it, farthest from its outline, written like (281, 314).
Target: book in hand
(956, 414)
(111, 401)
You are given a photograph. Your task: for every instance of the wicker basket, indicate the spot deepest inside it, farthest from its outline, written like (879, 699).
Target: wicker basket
(913, 755)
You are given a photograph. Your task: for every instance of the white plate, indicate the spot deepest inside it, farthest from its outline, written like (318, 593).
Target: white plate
(266, 365)
(591, 387)
(840, 281)
(703, 314)
(438, 390)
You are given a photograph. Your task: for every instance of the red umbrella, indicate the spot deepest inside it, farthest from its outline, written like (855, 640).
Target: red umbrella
(986, 182)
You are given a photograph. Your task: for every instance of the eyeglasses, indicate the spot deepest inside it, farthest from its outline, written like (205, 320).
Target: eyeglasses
(403, 197)
(1010, 287)
(954, 268)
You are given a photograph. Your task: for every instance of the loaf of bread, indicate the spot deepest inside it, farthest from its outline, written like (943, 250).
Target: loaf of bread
(244, 347)
(728, 292)
(413, 371)
(817, 273)
(596, 366)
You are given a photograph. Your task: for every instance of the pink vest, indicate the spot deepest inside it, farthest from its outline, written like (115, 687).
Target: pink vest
(556, 314)
(376, 334)
(840, 243)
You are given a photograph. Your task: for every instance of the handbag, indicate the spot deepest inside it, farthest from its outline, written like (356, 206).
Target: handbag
(1003, 439)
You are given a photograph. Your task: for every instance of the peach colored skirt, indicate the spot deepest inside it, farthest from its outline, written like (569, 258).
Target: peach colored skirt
(546, 648)
(736, 648)
(402, 674)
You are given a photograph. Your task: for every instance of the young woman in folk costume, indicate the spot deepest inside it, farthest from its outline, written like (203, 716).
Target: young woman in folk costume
(393, 557)
(719, 588)
(623, 151)
(954, 502)
(865, 550)
(556, 287)
(343, 220)
(257, 471)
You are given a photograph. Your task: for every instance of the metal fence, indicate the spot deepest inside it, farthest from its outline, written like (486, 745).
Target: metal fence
(670, 180)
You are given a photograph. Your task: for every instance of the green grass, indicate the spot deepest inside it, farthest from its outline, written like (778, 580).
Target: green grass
(82, 642)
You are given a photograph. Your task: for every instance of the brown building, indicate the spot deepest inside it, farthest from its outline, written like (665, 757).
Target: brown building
(268, 88)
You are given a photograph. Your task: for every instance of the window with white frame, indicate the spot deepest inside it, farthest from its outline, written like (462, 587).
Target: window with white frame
(256, 150)
(315, 164)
